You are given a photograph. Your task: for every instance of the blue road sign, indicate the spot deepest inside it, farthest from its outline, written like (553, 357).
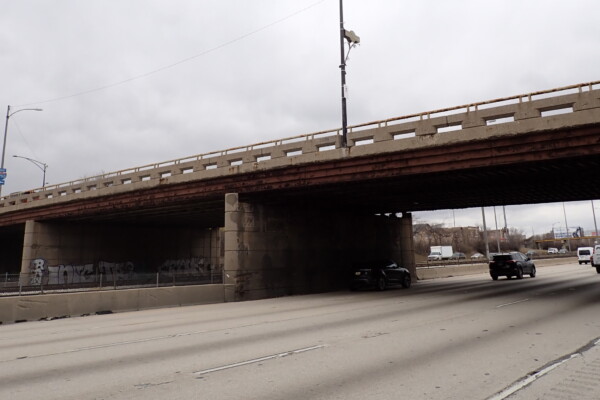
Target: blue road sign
(2, 175)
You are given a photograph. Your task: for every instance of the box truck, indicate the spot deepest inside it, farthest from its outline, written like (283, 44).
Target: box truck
(437, 253)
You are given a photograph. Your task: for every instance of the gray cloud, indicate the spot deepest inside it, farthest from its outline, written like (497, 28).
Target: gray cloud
(244, 84)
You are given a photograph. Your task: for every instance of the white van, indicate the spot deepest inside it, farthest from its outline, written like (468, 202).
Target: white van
(595, 260)
(584, 254)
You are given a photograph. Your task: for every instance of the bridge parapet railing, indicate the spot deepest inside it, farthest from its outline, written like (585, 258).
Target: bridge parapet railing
(492, 112)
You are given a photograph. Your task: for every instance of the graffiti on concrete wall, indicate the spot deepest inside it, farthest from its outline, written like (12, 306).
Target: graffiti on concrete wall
(37, 269)
(192, 265)
(65, 274)
(116, 270)
(41, 272)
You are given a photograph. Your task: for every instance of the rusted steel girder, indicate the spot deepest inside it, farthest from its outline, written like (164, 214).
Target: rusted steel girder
(458, 158)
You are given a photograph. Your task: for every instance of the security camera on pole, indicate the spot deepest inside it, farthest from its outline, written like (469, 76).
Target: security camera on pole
(353, 40)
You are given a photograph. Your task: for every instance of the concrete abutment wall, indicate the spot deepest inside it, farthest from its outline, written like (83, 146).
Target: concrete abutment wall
(142, 249)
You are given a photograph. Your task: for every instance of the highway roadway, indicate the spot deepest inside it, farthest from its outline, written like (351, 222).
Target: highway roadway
(453, 338)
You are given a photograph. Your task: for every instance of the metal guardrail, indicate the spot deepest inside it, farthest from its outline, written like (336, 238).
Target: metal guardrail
(289, 143)
(26, 284)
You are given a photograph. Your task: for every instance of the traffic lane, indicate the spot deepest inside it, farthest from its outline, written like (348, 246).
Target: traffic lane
(128, 327)
(371, 310)
(465, 357)
(160, 319)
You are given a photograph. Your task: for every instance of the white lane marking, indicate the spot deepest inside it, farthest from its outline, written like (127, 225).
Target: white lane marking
(529, 379)
(510, 304)
(256, 360)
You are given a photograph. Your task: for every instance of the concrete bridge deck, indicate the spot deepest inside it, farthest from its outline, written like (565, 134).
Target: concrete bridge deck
(435, 140)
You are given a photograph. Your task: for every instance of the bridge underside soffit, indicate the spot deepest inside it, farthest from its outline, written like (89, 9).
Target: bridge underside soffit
(526, 183)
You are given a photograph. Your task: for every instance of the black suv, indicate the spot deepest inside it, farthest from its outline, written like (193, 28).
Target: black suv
(511, 264)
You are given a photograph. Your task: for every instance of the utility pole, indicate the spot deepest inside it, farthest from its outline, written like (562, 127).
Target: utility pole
(485, 236)
(353, 40)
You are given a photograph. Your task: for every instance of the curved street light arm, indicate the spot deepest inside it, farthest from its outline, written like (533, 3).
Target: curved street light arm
(42, 166)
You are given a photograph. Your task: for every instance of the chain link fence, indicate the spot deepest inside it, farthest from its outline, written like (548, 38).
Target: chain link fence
(28, 284)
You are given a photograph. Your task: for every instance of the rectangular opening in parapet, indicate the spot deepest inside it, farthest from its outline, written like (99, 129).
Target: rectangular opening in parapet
(126, 181)
(236, 150)
(321, 135)
(145, 178)
(501, 120)
(362, 142)
(77, 190)
(294, 140)
(263, 158)
(556, 111)
(234, 163)
(187, 170)
(292, 153)
(450, 128)
(63, 193)
(557, 93)
(211, 166)
(327, 147)
(92, 187)
(404, 135)
(264, 145)
(165, 174)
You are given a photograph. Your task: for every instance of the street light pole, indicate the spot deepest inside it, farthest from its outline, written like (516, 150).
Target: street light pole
(566, 226)
(594, 214)
(8, 115)
(485, 236)
(40, 165)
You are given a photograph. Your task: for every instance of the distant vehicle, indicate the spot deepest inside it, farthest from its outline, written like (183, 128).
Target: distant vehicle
(552, 250)
(458, 256)
(584, 254)
(531, 253)
(438, 253)
(562, 251)
(511, 264)
(477, 256)
(595, 258)
(379, 274)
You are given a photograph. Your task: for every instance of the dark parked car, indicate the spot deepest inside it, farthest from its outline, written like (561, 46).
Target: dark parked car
(379, 274)
(458, 256)
(511, 264)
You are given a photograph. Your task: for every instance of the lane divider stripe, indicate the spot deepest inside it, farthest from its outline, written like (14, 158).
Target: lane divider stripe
(260, 359)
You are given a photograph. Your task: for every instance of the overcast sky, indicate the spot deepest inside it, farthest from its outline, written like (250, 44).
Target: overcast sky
(124, 83)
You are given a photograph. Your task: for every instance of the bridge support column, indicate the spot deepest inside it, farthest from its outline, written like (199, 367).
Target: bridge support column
(275, 250)
(39, 241)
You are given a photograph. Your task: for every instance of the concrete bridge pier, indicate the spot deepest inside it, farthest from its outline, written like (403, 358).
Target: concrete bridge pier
(274, 250)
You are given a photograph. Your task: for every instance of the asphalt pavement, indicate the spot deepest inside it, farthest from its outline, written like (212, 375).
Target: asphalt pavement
(575, 376)
(459, 338)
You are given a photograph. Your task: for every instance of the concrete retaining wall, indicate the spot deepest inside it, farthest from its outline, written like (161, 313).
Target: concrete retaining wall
(471, 269)
(33, 308)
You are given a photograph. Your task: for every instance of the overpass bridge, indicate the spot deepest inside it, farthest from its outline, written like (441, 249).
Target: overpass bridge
(285, 216)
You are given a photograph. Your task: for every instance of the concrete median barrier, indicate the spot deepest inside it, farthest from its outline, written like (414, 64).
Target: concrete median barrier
(447, 271)
(50, 306)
